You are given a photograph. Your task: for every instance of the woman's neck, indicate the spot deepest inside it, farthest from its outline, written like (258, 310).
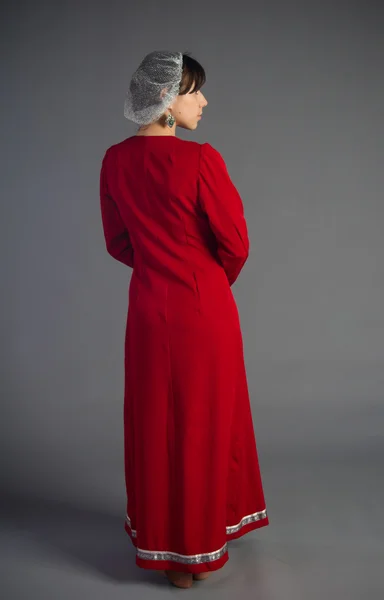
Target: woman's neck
(157, 129)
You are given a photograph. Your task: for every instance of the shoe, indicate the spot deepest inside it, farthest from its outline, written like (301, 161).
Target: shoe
(180, 580)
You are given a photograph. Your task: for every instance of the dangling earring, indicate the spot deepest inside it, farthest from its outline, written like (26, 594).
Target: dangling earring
(170, 120)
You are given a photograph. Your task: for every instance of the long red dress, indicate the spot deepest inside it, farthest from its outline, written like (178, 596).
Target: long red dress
(171, 212)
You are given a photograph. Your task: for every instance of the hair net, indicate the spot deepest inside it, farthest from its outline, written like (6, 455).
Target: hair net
(154, 85)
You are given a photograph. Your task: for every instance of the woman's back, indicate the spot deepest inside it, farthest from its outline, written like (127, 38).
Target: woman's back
(183, 214)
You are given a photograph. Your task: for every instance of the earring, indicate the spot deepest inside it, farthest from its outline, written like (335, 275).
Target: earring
(170, 120)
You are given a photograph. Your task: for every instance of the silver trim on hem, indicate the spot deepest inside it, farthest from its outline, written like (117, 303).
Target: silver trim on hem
(186, 559)
(246, 520)
(133, 531)
(195, 558)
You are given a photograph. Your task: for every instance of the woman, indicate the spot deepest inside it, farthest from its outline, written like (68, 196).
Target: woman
(171, 212)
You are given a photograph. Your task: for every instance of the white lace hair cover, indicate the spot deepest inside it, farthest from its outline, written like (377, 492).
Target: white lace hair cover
(154, 85)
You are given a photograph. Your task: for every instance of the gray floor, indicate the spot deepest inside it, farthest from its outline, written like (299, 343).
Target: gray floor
(326, 539)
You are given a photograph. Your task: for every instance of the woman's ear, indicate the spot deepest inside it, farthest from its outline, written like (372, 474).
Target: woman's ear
(163, 92)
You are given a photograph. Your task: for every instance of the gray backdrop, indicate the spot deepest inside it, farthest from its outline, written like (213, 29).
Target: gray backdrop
(296, 97)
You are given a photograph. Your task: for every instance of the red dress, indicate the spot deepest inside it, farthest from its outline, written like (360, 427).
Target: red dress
(171, 212)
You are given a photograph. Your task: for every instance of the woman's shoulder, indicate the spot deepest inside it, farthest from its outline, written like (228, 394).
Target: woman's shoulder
(204, 150)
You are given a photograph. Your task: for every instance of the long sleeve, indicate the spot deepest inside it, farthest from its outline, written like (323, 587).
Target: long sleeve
(222, 204)
(116, 235)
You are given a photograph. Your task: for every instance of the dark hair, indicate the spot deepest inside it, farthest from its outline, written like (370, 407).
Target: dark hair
(193, 77)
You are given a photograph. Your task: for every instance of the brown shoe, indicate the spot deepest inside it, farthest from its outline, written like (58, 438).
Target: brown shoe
(180, 580)
(201, 576)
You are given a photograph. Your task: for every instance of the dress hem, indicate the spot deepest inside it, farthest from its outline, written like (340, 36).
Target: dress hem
(201, 567)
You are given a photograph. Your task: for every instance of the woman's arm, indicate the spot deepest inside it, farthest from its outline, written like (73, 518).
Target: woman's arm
(221, 202)
(116, 235)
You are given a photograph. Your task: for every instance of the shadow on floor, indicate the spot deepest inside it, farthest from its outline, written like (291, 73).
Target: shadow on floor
(88, 539)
